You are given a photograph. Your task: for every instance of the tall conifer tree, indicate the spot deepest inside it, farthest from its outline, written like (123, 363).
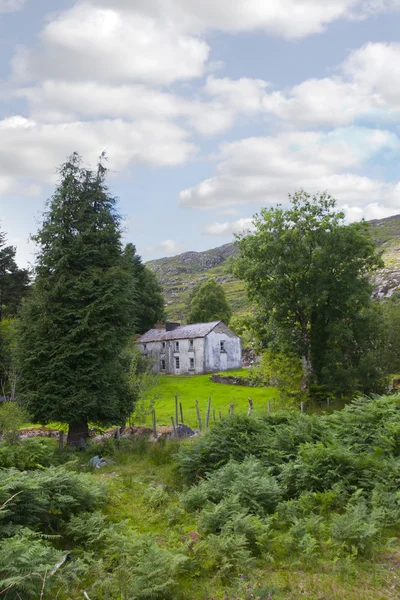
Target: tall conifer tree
(80, 314)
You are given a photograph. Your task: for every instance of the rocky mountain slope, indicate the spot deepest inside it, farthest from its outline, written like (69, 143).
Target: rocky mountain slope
(179, 274)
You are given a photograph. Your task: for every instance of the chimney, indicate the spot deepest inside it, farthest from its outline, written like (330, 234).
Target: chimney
(170, 326)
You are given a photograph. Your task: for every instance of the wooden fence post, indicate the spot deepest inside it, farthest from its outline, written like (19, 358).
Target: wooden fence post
(231, 407)
(118, 433)
(176, 410)
(198, 415)
(180, 406)
(269, 406)
(220, 415)
(61, 440)
(302, 407)
(250, 401)
(173, 425)
(213, 411)
(154, 424)
(208, 413)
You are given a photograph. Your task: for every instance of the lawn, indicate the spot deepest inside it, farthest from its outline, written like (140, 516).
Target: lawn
(190, 388)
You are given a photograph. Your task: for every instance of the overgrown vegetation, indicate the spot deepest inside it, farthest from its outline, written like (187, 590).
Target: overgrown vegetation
(256, 505)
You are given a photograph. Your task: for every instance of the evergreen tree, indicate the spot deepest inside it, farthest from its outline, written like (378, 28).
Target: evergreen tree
(80, 314)
(13, 281)
(208, 303)
(309, 274)
(150, 299)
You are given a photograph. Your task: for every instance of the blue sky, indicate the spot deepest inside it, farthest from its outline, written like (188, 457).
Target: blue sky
(207, 110)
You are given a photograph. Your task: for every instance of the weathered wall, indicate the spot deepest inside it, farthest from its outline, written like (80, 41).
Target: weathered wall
(231, 358)
(156, 352)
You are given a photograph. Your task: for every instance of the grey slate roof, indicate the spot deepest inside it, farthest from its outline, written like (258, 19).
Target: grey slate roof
(185, 332)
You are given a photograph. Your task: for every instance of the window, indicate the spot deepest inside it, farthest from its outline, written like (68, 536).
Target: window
(177, 363)
(191, 346)
(191, 367)
(176, 346)
(163, 345)
(144, 346)
(222, 346)
(162, 365)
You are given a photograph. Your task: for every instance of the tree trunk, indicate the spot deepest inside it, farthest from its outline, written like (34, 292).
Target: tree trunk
(78, 434)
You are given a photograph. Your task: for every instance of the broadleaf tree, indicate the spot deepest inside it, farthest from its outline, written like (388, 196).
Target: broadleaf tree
(208, 303)
(309, 274)
(81, 312)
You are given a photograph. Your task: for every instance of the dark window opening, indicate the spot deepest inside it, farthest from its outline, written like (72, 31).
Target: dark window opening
(176, 346)
(191, 344)
(192, 364)
(177, 362)
(222, 346)
(162, 365)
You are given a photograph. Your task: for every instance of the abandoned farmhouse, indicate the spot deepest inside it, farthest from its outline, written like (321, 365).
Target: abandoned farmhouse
(190, 349)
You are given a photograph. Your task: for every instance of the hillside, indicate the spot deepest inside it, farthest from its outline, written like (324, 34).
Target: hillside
(179, 274)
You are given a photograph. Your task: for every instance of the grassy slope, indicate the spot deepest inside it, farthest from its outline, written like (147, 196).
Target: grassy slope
(129, 481)
(178, 276)
(199, 387)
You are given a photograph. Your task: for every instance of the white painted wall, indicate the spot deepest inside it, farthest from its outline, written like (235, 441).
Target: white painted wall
(222, 361)
(156, 352)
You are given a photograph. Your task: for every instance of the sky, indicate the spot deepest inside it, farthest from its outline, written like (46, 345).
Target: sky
(208, 110)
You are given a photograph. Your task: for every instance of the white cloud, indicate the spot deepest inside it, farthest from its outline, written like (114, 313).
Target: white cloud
(8, 6)
(367, 86)
(62, 101)
(263, 170)
(228, 228)
(33, 150)
(166, 248)
(87, 42)
(287, 18)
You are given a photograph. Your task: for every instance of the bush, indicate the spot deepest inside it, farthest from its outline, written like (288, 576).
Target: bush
(25, 563)
(12, 417)
(249, 482)
(358, 530)
(234, 437)
(318, 467)
(31, 453)
(46, 500)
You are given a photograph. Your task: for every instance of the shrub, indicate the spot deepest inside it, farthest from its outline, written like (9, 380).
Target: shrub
(25, 562)
(46, 500)
(234, 437)
(12, 417)
(319, 467)
(137, 568)
(31, 453)
(358, 530)
(250, 482)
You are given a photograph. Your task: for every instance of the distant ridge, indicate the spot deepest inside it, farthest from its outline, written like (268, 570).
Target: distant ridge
(179, 274)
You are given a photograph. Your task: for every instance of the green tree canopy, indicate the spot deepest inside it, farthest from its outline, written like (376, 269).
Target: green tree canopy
(150, 299)
(309, 274)
(13, 280)
(208, 303)
(391, 312)
(80, 314)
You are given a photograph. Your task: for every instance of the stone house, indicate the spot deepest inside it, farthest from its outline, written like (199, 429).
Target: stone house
(192, 349)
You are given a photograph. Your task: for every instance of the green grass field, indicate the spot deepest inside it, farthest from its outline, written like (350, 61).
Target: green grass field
(199, 387)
